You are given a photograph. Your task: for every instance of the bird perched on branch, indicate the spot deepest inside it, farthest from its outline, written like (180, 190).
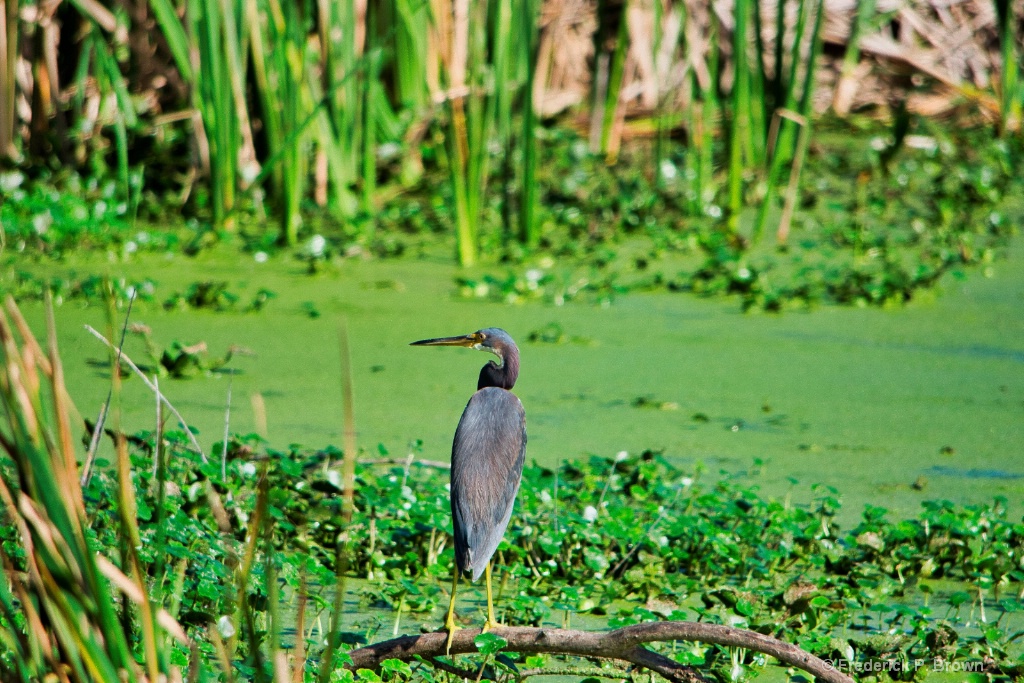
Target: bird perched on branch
(487, 461)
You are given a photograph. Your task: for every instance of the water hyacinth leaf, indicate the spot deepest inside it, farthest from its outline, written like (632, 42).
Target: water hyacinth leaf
(368, 675)
(395, 667)
(745, 607)
(506, 662)
(955, 599)
(489, 643)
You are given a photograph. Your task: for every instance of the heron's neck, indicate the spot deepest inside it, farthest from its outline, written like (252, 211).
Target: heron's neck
(501, 375)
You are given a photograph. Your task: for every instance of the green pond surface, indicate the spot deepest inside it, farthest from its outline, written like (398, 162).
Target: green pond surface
(889, 406)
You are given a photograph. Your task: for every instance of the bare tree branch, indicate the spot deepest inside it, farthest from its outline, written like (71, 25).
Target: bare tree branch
(623, 644)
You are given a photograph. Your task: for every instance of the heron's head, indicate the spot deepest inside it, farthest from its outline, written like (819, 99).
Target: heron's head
(492, 339)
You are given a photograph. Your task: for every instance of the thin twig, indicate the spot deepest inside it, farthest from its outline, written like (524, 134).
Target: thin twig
(794, 183)
(102, 418)
(604, 491)
(145, 380)
(159, 428)
(405, 471)
(554, 499)
(259, 412)
(227, 426)
(348, 468)
(403, 461)
(300, 628)
(94, 443)
(483, 665)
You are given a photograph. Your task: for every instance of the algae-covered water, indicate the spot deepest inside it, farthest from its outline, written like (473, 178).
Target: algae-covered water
(889, 406)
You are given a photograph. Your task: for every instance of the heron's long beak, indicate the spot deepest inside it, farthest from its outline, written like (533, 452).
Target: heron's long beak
(468, 340)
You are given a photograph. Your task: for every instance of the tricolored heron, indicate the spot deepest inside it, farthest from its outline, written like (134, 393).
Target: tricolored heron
(487, 461)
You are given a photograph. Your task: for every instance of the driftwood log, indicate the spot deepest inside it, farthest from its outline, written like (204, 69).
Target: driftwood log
(624, 644)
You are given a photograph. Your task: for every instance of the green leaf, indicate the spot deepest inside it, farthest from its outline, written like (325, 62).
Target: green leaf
(993, 635)
(959, 598)
(506, 662)
(689, 657)
(368, 675)
(489, 644)
(536, 661)
(396, 667)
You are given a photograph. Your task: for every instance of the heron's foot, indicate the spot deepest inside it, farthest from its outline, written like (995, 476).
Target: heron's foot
(491, 624)
(452, 628)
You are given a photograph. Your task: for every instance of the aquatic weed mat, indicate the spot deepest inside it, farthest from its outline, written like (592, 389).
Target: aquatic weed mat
(602, 543)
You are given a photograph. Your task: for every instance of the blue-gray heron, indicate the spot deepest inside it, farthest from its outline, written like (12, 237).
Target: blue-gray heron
(487, 461)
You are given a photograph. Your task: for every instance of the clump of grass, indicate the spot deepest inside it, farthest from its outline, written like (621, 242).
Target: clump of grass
(68, 609)
(95, 572)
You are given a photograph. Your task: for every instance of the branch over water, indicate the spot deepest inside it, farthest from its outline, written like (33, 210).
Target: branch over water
(623, 644)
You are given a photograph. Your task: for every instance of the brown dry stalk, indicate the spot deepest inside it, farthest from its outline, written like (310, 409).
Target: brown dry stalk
(622, 644)
(135, 594)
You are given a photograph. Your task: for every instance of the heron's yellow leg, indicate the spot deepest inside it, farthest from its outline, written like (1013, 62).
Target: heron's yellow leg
(491, 621)
(449, 623)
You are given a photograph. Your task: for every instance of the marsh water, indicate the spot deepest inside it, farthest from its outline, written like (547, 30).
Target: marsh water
(889, 406)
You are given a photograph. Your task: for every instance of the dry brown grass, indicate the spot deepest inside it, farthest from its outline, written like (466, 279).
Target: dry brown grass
(941, 55)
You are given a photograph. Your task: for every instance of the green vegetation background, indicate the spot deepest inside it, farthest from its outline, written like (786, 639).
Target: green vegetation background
(844, 475)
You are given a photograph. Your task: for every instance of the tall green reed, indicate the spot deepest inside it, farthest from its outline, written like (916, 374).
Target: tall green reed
(344, 546)
(1010, 90)
(219, 96)
(527, 53)
(410, 47)
(212, 35)
(703, 115)
(771, 91)
(10, 48)
(313, 99)
(277, 37)
(344, 40)
(110, 81)
(611, 44)
(851, 58)
(484, 70)
(741, 141)
(792, 85)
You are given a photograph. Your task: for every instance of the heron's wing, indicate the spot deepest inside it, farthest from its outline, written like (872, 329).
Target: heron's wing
(487, 466)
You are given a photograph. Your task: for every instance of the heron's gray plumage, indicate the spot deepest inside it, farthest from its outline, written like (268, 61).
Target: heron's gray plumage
(487, 465)
(487, 456)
